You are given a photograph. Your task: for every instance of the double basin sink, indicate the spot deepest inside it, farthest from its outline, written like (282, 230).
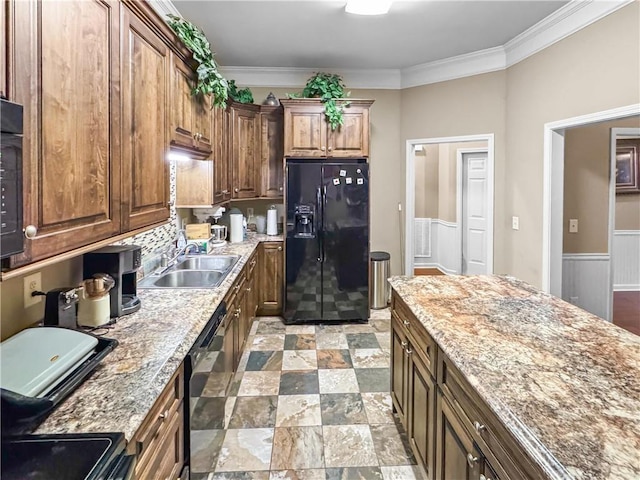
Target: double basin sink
(192, 271)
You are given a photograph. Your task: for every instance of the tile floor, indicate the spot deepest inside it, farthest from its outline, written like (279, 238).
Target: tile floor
(308, 402)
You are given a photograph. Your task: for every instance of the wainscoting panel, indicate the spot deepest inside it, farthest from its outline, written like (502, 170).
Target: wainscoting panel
(449, 247)
(436, 245)
(586, 282)
(626, 260)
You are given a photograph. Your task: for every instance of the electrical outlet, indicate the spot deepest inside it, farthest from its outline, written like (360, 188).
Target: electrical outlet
(32, 283)
(573, 300)
(573, 225)
(515, 223)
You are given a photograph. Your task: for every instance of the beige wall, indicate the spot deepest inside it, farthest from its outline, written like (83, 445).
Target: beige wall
(628, 211)
(426, 182)
(587, 165)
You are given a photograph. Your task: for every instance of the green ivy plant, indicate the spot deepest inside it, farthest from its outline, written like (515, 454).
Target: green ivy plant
(210, 81)
(329, 88)
(242, 95)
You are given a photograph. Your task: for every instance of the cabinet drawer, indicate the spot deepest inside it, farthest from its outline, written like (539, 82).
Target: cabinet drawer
(488, 432)
(421, 340)
(159, 420)
(251, 264)
(166, 461)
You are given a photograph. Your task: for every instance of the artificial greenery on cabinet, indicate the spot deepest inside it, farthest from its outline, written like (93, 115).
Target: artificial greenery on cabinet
(330, 89)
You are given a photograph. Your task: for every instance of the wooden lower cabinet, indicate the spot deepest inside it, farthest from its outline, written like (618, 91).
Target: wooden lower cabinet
(271, 278)
(159, 442)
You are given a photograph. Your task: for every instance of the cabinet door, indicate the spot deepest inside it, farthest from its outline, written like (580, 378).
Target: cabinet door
(305, 131)
(421, 410)
(194, 183)
(222, 170)
(399, 370)
(182, 114)
(244, 157)
(351, 139)
(456, 454)
(202, 122)
(145, 95)
(272, 151)
(488, 471)
(67, 75)
(6, 51)
(271, 265)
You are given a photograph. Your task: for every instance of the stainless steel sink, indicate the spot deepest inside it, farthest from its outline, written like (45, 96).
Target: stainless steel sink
(207, 262)
(192, 271)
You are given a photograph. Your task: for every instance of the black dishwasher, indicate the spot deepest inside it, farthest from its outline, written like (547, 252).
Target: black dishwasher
(210, 361)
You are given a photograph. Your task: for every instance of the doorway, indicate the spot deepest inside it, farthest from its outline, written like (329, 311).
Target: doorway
(448, 224)
(555, 225)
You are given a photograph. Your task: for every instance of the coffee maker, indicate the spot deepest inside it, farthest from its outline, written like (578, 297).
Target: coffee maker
(121, 262)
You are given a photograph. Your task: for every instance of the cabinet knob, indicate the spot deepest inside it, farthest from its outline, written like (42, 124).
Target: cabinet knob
(249, 289)
(279, 249)
(329, 149)
(471, 459)
(322, 148)
(225, 191)
(406, 323)
(408, 352)
(164, 416)
(30, 231)
(482, 477)
(281, 188)
(479, 427)
(236, 190)
(404, 344)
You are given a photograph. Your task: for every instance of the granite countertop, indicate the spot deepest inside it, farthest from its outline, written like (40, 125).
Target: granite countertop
(153, 342)
(564, 382)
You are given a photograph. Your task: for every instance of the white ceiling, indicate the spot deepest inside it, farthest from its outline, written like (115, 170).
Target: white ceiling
(320, 35)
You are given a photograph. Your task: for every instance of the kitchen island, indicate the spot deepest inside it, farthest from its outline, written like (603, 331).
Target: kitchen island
(537, 385)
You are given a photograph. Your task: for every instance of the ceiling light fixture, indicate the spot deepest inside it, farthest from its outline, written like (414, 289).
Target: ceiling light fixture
(368, 7)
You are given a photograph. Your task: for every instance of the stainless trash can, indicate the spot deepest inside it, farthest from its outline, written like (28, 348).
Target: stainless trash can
(379, 271)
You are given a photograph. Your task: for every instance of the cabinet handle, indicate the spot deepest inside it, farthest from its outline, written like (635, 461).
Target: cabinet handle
(403, 344)
(30, 231)
(249, 289)
(482, 477)
(471, 459)
(236, 189)
(322, 148)
(479, 427)
(406, 323)
(164, 416)
(225, 191)
(281, 188)
(408, 352)
(279, 249)
(329, 149)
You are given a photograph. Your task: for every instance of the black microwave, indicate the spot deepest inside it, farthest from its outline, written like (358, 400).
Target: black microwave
(11, 237)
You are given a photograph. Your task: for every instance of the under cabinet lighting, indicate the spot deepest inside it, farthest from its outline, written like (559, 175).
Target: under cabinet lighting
(368, 7)
(180, 157)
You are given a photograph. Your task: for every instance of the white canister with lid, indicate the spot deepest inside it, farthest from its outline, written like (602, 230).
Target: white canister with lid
(272, 220)
(236, 229)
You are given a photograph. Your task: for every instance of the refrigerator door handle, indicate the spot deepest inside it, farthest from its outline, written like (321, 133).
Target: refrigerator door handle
(324, 204)
(318, 224)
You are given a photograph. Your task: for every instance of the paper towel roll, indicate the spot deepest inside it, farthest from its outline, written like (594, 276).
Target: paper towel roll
(236, 229)
(272, 221)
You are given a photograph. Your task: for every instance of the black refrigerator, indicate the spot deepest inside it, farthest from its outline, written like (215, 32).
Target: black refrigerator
(327, 241)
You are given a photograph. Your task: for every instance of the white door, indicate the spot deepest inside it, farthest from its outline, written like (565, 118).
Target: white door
(474, 213)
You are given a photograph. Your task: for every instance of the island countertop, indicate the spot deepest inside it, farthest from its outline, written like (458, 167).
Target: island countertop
(565, 383)
(153, 342)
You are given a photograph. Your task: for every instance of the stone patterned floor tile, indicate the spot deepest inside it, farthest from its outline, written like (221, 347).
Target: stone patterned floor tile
(205, 448)
(331, 341)
(373, 379)
(384, 339)
(264, 360)
(328, 328)
(217, 385)
(235, 384)
(392, 447)
(208, 414)
(268, 342)
(259, 475)
(406, 472)
(296, 382)
(298, 411)
(342, 409)
(246, 450)
(362, 340)
(267, 327)
(299, 360)
(334, 359)
(244, 358)
(300, 329)
(255, 384)
(297, 448)
(338, 381)
(206, 364)
(358, 328)
(307, 474)
(228, 410)
(378, 407)
(370, 358)
(354, 473)
(381, 325)
(360, 451)
(302, 341)
(254, 412)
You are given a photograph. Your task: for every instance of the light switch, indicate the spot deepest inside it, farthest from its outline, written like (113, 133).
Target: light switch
(573, 225)
(515, 223)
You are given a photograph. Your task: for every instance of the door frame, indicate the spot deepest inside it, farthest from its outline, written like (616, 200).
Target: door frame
(459, 197)
(410, 193)
(553, 189)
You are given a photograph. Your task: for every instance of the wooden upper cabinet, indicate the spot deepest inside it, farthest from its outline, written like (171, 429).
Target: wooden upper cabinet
(194, 183)
(222, 165)
(145, 95)
(191, 127)
(6, 49)
(307, 133)
(244, 150)
(272, 151)
(67, 61)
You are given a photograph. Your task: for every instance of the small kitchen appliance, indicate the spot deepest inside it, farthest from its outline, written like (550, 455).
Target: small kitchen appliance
(218, 235)
(94, 306)
(121, 262)
(272, 220)
(236, 234)
(60, 307)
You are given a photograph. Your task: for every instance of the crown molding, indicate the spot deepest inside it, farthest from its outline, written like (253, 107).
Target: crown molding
(572, 17)
(565, 21)
(475, 63)
(382, 78)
